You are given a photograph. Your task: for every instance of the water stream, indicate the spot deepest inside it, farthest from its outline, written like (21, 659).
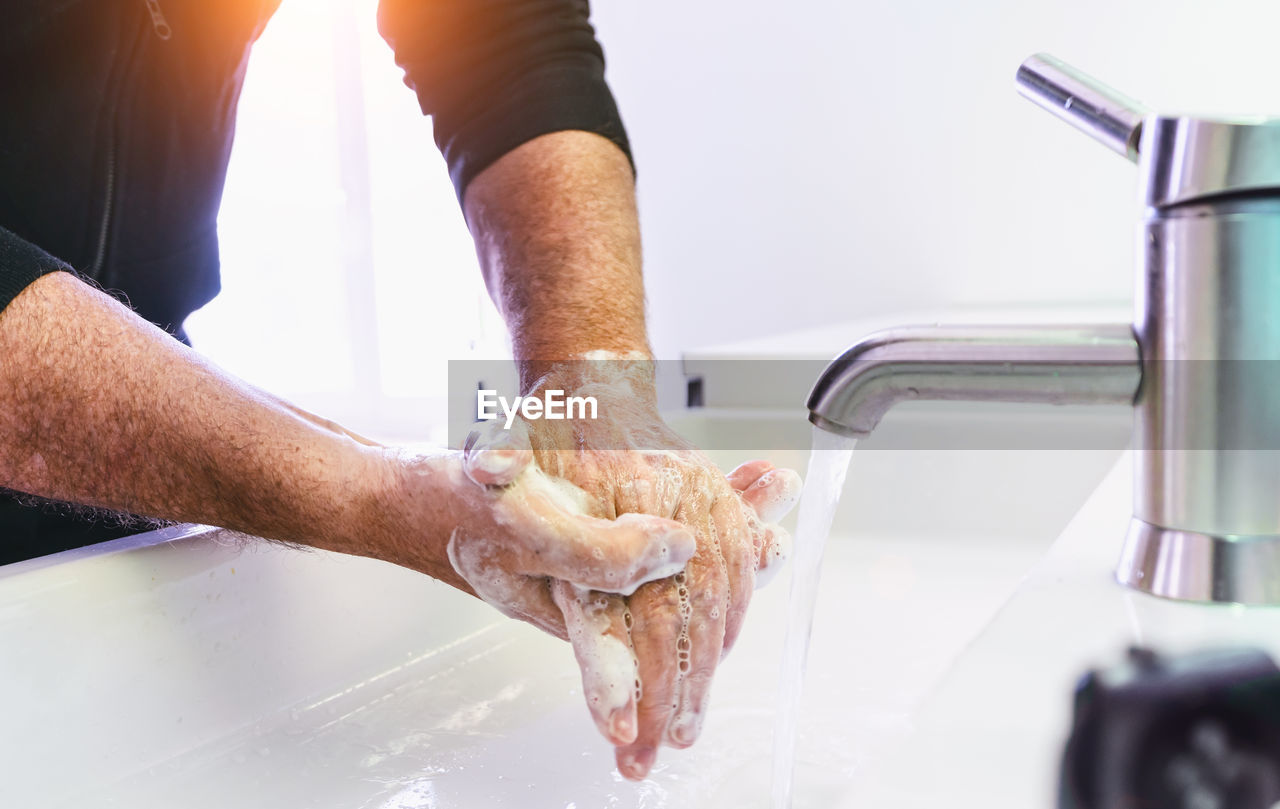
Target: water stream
(828, 465)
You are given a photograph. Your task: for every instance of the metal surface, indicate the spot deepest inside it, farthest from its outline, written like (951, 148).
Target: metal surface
(1207, 328)
(1192, 159)
(1194, 566)
(1044, 364)
(1109, 117)
(1208, 421)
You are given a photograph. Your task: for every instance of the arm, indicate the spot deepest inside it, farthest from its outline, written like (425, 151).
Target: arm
(557, 235)
(537, 151)
(100, 407)
(558, 239)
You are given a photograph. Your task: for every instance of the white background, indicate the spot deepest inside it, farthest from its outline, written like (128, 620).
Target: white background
(800, 163)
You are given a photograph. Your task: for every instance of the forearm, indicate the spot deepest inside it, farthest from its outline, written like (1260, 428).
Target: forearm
(558, 238)
(98, 407)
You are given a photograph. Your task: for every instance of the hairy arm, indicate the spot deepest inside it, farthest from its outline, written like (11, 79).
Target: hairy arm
(100, 408)
(558, 239)
(556, 231)
(537, 151)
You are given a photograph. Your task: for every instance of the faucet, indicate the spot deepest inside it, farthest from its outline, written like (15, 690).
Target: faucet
(1198, 363)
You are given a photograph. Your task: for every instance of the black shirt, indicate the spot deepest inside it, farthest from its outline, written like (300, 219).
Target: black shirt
(117, 116)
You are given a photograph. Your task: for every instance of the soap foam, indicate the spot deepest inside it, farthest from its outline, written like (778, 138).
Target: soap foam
(607, 660)
(682, 727)
(476, 562)
(774, 494)
(777, 551)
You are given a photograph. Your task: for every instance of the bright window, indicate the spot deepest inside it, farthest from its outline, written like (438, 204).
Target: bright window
(349, 278)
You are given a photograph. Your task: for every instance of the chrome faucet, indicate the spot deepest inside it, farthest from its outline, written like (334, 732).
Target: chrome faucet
(1200, 362)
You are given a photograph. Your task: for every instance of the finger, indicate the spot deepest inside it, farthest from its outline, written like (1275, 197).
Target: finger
(716, 585)
(739, 544)
(748, 473)
(774, 494)
(526, 598)
(598, 626)
(775, 550)
(615, 556)
(657, 623)
(493, 456)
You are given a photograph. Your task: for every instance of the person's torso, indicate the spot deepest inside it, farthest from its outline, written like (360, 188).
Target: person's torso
(116, 122)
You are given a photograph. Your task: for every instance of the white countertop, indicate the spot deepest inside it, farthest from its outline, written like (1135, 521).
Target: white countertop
(991, 734)
(202, 673)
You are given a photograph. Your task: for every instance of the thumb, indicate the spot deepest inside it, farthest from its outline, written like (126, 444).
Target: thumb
(773, 494)
(493, 456)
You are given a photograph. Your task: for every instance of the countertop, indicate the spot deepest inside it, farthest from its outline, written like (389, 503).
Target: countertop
(991, 734)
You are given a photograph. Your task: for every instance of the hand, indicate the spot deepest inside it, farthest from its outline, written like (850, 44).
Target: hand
(510, 544)
(648, 660)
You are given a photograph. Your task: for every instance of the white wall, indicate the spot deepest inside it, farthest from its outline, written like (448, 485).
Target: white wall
(805, 162)
(800, 163)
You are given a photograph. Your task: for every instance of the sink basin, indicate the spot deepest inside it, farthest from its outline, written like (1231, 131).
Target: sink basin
(187, 668)
(991, 733)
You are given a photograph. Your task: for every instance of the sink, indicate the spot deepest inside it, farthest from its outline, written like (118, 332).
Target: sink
(991, 733)
(186, 668)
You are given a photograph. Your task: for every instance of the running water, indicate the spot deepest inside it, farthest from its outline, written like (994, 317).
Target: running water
(828, 465)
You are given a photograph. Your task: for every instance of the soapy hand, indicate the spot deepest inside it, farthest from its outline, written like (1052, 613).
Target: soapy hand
(648, 659)
(510, 543)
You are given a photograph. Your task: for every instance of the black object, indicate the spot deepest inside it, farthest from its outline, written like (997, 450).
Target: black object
(1195, 731)
(30, 528)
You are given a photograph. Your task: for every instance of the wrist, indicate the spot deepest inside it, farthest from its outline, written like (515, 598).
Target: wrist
(610, 375)
(538, 352)
(410, 503)
(346, 507)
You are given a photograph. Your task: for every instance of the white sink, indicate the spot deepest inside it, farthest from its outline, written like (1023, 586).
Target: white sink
(991, 735)
(181, 670)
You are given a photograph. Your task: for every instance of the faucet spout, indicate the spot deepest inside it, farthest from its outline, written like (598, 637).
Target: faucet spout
(1088, 364)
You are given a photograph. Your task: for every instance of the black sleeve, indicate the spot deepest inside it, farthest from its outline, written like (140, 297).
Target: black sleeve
(496, 73)
(21, 262)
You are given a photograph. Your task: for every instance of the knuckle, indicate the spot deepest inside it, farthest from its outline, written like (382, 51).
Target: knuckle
(659, 614)
(697, 685)
(742, 572)
(738, 610)
(706, 599)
